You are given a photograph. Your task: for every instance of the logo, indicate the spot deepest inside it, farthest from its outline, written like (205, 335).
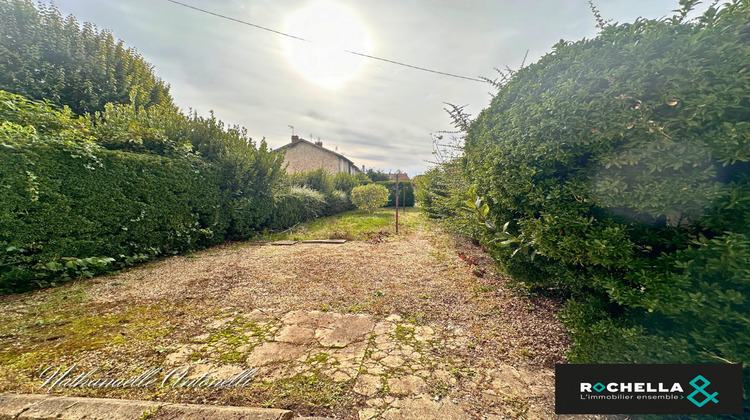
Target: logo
(700, 389)
(648, 389)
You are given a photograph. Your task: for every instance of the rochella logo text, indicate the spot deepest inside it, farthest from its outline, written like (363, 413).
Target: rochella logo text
(630, 387)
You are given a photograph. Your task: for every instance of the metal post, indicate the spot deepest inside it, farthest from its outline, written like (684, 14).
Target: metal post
(397, 177)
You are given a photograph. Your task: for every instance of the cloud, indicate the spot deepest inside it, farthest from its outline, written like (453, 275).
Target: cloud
(383, 117)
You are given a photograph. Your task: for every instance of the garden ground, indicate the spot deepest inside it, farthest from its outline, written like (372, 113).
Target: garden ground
(415, 325)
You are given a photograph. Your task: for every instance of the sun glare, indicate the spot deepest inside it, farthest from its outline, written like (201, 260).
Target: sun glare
(332, 28)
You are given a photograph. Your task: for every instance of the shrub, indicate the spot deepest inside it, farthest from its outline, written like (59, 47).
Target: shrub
(336, 203)
(312, 203)
(405, 193)
(334, 188)
(295, 205)
(369, 197)
(615, 171)
(319, 180)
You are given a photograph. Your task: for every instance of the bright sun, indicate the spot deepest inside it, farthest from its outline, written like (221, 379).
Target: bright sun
(332, 28)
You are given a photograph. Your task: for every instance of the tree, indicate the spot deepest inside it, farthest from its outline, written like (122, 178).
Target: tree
(377, 175)
(369, 197)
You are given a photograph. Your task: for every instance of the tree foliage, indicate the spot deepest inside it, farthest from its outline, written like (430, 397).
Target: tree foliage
(376, 175)
(369, 197)
(46, 56)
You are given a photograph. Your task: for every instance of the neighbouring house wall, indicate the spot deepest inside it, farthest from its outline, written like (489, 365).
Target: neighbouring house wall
(307, 157)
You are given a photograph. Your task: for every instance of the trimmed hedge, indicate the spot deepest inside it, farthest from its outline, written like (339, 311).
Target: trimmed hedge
(616, 171)
(57, 208)
(405, 193)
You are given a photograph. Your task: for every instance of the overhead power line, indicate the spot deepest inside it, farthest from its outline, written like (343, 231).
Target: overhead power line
(398, 63)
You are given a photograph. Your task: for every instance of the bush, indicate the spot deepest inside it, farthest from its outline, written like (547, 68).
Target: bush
(369, 197)
(334, 188)
(294, 206)
(615, 171)
(319, 180)
(337, 203)
(405, 193)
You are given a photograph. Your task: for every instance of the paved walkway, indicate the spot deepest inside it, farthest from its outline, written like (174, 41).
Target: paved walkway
(43, 407)
(390, 362)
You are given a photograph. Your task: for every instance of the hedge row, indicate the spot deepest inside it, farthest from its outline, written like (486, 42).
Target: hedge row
(59, 208)
(616, 171)
(70, 208)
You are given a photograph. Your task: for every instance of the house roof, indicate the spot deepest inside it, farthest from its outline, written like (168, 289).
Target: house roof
(301, 140)
(400, 176)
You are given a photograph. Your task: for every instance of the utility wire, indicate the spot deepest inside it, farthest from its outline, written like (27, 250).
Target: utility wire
(415, 67)
(237, 20)
(398, 63)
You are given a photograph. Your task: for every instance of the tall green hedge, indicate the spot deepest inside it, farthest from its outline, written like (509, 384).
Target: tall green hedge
(59, 208)
(70, 208)
(405, 193)
(616, 171)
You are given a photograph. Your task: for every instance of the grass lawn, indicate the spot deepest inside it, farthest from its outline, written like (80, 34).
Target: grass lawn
(356, 225)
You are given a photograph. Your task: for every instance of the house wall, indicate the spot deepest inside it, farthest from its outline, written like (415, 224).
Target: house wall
(306, 157)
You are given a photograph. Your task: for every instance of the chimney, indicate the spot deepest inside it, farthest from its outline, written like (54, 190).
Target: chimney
(295, 138)
(319, 143)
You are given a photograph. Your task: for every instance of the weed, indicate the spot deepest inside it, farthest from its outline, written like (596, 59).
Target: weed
(148, 414)
(440, 389)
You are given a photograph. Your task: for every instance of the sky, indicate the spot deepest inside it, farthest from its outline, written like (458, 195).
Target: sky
(376, 113)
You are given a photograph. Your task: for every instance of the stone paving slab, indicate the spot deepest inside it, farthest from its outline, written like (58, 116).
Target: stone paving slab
(10, 405)
(283, 243)
(391, 363)
(43, 407)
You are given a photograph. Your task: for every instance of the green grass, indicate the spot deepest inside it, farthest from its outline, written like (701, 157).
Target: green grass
(355, 225)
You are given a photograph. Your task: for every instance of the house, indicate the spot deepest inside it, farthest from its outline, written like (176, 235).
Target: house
(302, 155)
